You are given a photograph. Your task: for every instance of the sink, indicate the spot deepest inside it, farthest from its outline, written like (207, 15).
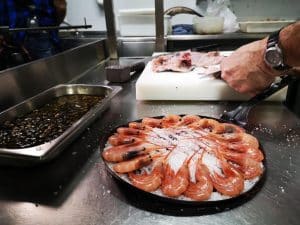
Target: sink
(69, 43)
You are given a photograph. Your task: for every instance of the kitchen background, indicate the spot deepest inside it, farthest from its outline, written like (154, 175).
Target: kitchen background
(243, 9)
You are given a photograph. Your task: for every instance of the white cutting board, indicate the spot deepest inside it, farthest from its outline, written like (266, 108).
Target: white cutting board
(188, 86)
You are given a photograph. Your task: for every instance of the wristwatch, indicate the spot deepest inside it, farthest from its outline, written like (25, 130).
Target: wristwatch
(273, 54)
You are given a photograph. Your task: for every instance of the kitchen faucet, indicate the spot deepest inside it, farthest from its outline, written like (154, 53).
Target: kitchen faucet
(159, 26)
(111, 27)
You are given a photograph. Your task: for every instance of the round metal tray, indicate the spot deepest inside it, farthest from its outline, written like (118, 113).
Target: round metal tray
(165, 204)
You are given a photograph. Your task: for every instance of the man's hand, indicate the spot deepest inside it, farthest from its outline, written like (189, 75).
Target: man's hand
(245, 70)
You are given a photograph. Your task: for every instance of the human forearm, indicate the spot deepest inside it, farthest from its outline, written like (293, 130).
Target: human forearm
(247, 71)
(289, 39)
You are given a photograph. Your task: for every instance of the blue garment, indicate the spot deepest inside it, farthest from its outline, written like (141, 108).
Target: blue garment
(16, 13)
(40, 45)
(181, 29)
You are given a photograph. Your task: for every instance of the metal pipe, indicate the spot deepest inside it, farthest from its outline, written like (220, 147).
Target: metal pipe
(159, 26)
(111, 28)
(46, 28)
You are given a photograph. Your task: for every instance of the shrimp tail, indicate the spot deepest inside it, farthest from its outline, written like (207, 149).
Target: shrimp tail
(231, 184)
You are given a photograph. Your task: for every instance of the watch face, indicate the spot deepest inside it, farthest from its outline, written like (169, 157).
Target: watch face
(273, 57)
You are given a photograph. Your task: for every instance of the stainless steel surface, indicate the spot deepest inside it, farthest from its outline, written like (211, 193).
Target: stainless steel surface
(188, 37)
(159, 26)
(46, 151)
(75, 188)
(145, 46)
(120, 74)
(136, 46)
(133, 48)
(22, 82)
(227, 41)
(111, 28)
(75, 41)
(231, 36)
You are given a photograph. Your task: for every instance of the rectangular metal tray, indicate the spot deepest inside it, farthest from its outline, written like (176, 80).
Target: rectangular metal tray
(45, 152)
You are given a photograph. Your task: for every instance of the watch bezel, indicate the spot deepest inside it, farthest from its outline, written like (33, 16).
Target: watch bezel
(270, 52)
(273, 44)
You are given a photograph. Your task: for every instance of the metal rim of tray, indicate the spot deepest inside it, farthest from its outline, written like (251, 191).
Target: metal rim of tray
(203, 205)
(47, 151)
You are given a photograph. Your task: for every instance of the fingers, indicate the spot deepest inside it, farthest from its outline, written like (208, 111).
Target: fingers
(251, 85)
(235, 79)
(245, 71)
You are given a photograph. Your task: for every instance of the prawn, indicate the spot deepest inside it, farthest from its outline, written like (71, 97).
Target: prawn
(170, 120)
(152, 122)
(225, 178)
(148, 181)
(202, 188)
(188, 120)
(248, 166)
(127, 151)
(209, 125)
(249, 150)
(117, 139)
(250, 140)
(128, 131)
(136, 163)
(241, 137)
(174, 184)
(176, 171)
(253, 153)
(136, 125)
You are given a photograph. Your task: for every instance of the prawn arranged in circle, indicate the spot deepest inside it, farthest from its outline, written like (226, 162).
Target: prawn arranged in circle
(185, 156)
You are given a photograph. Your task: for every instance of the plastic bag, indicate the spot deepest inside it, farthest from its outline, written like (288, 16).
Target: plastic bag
(220, 8)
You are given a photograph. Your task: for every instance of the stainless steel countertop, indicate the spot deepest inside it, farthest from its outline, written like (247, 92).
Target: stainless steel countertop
(75, 188)
(230, 36)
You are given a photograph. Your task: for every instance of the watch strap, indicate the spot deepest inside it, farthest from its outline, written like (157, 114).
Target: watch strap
(273, 40)
(282, 67)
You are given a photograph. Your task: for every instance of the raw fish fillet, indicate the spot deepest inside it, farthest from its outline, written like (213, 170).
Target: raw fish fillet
(186, 61)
